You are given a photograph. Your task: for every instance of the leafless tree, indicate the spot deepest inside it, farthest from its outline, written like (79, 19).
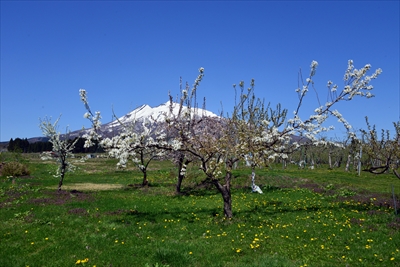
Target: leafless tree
(384, 152)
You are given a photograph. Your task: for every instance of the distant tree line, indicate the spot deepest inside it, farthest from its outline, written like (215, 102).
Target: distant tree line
(24, 146)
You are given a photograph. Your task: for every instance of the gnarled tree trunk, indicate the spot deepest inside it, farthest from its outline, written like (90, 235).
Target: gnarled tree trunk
(182, 165)
(225, 189)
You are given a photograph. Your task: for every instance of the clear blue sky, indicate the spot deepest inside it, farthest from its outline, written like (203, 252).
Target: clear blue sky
(127, 53)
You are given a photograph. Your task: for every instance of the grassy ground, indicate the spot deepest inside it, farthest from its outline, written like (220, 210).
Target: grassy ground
(102, 218)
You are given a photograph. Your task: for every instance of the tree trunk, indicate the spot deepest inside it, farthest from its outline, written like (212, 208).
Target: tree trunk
(145, 182)
(226, 196)
(182, 165)
(60, 183)
(179, 183)
(62, 174)
(340, 161)
(348, 163)
(143, 168)
(225, 191)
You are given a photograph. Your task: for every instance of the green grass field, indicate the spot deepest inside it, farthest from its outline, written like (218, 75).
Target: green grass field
(102, 218)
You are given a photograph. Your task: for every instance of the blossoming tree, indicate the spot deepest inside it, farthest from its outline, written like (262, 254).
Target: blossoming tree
(136, 142)
(270, 135)
(62, 148)
(251, 118)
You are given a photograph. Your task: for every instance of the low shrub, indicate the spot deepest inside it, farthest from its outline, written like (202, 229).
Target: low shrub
(13, 168)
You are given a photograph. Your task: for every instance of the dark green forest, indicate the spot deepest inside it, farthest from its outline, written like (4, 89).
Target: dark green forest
(24, 146)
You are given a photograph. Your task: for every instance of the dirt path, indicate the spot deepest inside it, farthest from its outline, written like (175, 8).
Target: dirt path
(91, 186)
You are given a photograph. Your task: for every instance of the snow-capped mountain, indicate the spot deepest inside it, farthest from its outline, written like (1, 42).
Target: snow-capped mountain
(157, 114)
(143, 113)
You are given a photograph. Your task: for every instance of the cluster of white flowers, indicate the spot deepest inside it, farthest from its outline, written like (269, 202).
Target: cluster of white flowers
(184, 94)
(313, 66)
(318, 110)
(341, 119)
(46, 155)
(357, 81)
(175, 144)
(197, 81)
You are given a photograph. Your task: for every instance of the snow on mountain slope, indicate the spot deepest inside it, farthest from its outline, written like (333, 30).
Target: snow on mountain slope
(158, 114)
